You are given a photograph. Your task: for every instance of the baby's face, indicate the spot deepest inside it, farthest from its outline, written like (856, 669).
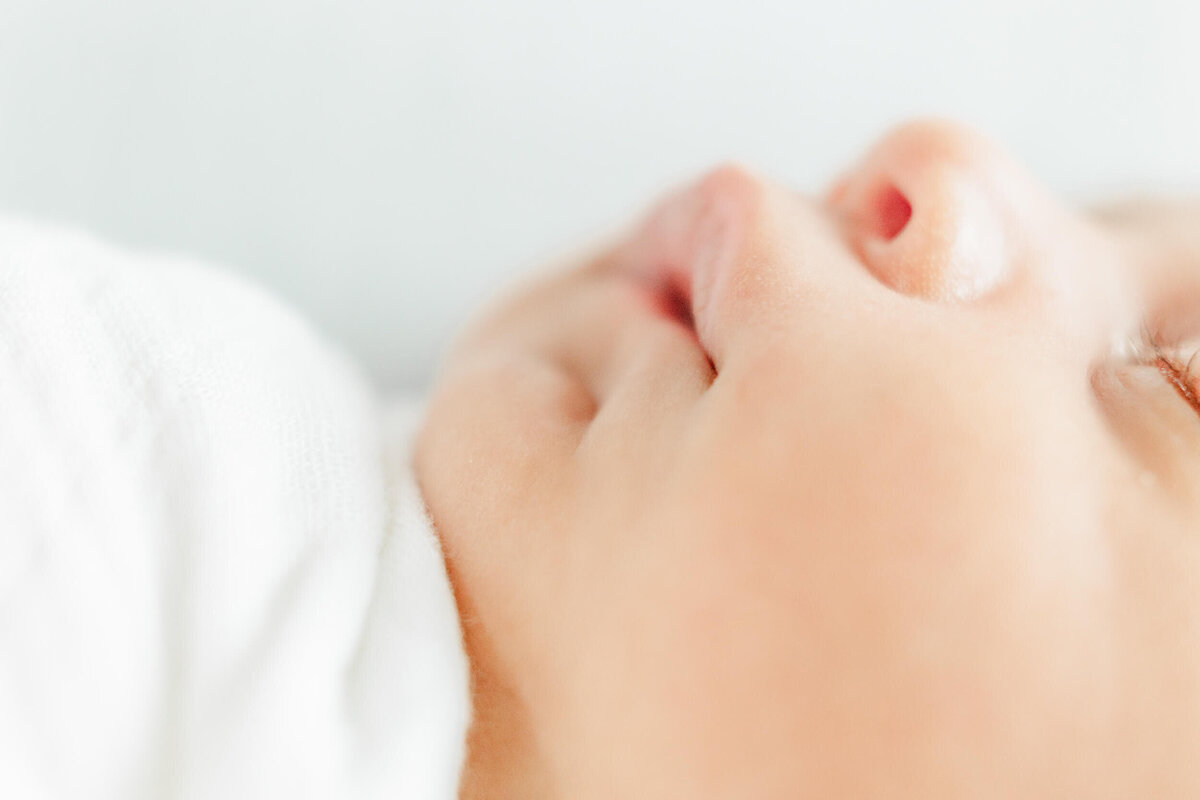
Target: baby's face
(851, 497)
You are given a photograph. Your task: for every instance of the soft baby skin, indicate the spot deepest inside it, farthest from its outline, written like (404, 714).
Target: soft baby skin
(892, 493)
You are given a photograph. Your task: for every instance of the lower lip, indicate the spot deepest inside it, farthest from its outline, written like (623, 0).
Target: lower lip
(666, 292)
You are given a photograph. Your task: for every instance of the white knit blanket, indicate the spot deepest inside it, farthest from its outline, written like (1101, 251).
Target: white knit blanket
(216, 576)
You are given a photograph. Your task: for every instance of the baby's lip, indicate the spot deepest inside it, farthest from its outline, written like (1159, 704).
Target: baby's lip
(677, 250)
(670, 300)
(657, 251)
(710, 248)
(657, 257)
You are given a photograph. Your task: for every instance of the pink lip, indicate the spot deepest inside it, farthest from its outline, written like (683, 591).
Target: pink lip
(667, 254)
(670, 298)
(663, 276)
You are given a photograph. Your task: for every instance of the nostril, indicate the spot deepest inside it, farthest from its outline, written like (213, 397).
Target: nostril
(930, 212)
(891, 212)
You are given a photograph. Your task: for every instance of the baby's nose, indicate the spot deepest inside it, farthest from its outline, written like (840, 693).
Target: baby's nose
(933, 210)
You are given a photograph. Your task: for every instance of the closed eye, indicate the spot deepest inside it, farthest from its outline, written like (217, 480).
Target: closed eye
(1177, 365)
(1180, 375)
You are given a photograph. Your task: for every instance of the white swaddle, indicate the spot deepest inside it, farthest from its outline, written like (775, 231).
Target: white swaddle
(216, 575)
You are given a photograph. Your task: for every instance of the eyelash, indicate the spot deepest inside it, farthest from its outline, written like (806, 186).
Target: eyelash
(1180, 373)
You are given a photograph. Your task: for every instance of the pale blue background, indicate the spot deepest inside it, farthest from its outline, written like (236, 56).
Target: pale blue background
(384, 165)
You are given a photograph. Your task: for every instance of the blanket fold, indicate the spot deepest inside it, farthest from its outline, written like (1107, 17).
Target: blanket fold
(217, 578)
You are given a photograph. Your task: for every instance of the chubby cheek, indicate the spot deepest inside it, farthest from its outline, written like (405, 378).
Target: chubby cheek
(924, 574)
(924, 441)
(799, 667)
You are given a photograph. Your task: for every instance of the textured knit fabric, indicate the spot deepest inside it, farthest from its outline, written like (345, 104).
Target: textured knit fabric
(217, 579)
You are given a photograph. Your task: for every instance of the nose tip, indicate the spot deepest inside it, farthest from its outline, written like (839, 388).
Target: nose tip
(929, 211)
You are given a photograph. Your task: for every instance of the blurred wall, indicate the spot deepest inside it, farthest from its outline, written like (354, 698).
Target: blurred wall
(384, 165)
